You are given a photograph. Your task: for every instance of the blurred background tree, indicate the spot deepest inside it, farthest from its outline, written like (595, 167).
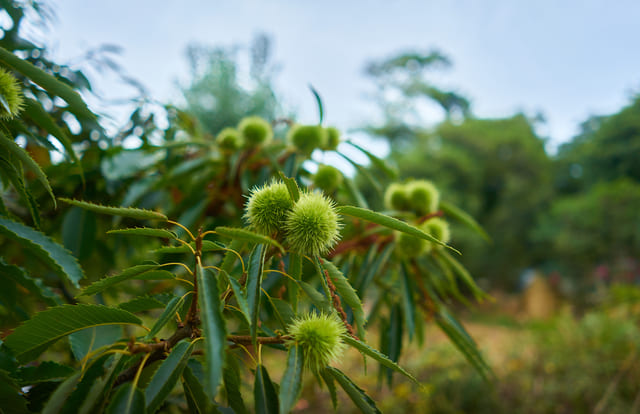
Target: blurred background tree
(220, 91)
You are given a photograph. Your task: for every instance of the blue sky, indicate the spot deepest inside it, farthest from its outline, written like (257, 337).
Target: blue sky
(565, 59)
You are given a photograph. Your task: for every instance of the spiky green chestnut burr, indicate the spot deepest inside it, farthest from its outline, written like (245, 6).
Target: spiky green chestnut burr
(312, 225)
(320, 338)
(327, 178)
(438, 228)
(229, 140)
(255, 131)
(11, 95)
(423, 196)
(409, 246)
(307, 138)
(333, 139)
(396, 197)
(268, 206)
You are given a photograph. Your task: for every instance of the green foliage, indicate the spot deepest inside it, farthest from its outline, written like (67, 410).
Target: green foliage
(597, 226)
(183, 318)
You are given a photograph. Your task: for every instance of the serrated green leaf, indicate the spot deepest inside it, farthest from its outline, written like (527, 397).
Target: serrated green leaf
(232, 383)
(292, 186)
(21, 154)
(389, 222)
(247, 236)
(141, 304)
(207, 246)
(463, 217)
(94, 398)
(34, 110)
(331, 386)
(130, 212)
(230, 256)
(241, 298)
(213, 328)
(34, 286)
(348, 294)
(318, 299)
(31, 338)
(254, 285)
(48, 82)
(91, 375)
(90, 339)
(167, 375)
(378, 356)
(59, 397)
(167, 315)
(57, 257)
(360, 398)
(265, 397)
(129, 399)
(291, 383)
(295, 271)
(145, 231)
(45, 371)
(140, 272)
(194, 391)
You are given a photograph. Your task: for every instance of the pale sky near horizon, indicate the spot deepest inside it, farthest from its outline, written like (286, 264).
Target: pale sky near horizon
(567, 60)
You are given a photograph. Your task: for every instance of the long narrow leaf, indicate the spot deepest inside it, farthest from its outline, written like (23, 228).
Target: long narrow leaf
(21, 154)
(247, 236)
(265, 397)
(57, 257)
(378, 356)
(254, 285)
(48, 82)
(140, 272)
(376, 161)
(389, 222)
(292, 186)
(232, 383)
(460, 270)
(240, 296)
(213, 328)
(145, 231)
(15, 175)
(34, 110)
(129, 399)
(360, 398)
(34, 286)
(167, 375)
(194, 390)
(60, 395)
(131, 212)
(460, 215)
(291, 383)
(31, 338)
(348, 294)
(168, 314)
(463, 341)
